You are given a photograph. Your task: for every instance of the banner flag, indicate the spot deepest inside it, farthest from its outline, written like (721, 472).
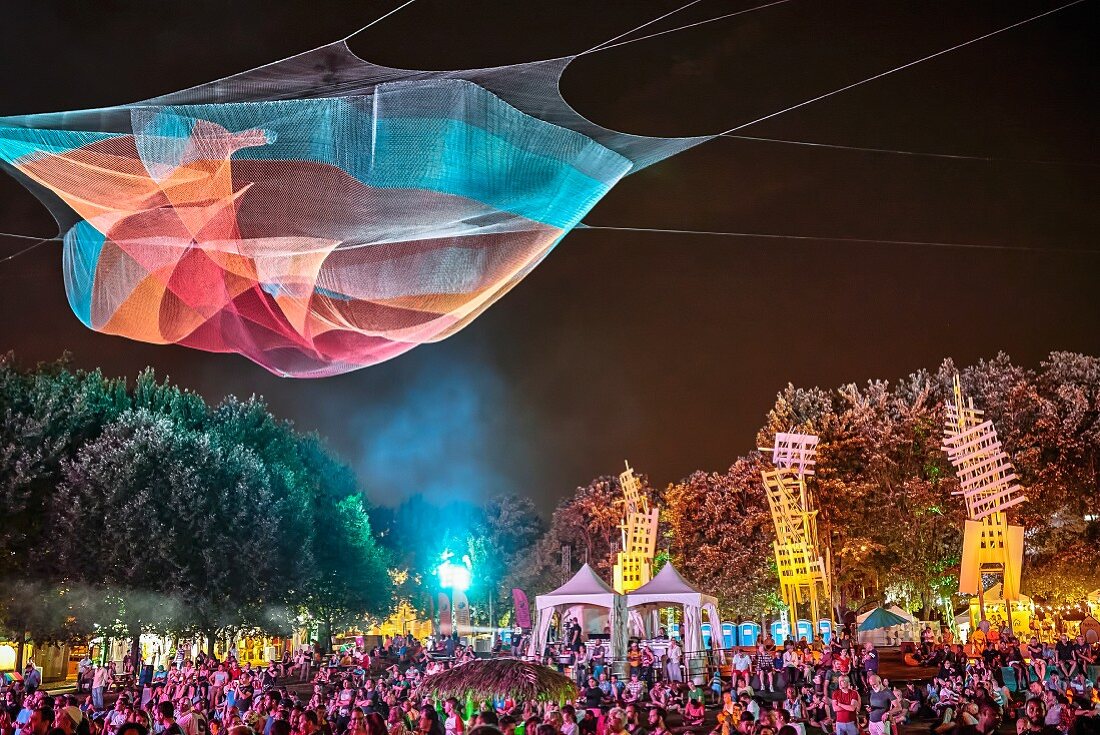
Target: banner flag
(523, 609)
(444, 614)
(462, 612)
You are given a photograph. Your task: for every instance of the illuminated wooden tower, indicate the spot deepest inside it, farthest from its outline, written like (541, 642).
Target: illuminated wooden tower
(987, 482)
(803, 568)
(634, 564)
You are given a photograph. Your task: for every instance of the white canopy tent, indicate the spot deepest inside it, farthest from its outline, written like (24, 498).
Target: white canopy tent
(669, 589)
(907, 631)
(592, 603)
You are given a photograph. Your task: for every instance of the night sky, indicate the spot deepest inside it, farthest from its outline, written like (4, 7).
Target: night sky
(664, 349)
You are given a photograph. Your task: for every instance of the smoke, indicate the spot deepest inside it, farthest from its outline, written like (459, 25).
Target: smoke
(445, 431)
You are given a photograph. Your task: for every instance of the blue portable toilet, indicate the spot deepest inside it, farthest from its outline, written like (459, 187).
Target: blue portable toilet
(780, 630)
(748, 633)
(705, 630)
(674, 632)
(729, 635)
(826, 629)
(805, 630)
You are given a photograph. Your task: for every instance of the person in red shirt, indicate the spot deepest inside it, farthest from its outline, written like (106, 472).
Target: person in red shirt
(846, 703)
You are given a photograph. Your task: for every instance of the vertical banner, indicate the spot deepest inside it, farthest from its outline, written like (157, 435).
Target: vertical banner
(462, 612)
(444, 614)
(523, 609)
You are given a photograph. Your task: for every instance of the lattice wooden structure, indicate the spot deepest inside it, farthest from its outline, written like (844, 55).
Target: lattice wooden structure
(634, 563)
(988, 484)
(803, 568)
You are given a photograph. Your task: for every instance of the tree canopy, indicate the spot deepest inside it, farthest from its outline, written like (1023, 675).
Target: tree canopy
(139, 507)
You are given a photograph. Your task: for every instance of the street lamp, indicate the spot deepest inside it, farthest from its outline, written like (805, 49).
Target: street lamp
(452, 576)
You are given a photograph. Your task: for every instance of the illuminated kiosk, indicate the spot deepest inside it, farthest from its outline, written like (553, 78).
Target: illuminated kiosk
(669, 589)
(593, 604)
(998, 612)
(988, 484)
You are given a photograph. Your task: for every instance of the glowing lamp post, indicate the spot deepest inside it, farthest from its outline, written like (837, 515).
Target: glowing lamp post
(456, 578)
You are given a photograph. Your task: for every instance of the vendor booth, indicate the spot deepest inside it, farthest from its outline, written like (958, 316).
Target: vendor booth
(893, 635)
(667, 589)
(996, 612)
(599, 610)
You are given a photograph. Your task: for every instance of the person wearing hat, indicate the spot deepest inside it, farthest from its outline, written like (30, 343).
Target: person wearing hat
(66, 719)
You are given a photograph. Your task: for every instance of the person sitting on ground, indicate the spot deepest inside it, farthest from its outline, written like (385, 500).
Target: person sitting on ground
(694, 713)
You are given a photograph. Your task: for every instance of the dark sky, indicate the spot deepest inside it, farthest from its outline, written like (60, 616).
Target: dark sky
(664, 349)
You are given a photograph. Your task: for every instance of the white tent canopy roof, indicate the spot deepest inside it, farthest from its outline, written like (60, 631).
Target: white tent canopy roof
(995, 595)
(668, 587)
(585, 588)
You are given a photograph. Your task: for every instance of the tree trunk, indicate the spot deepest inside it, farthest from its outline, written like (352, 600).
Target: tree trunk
(210, 643)
(926, 604)
(135, 652)
(19, 650)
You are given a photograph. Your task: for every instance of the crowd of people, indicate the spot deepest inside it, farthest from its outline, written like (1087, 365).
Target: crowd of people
(796, 688)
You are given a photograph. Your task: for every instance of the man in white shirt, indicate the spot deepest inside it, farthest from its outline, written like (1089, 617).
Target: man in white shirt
(84, 672)
(100, 679)
(742, 668)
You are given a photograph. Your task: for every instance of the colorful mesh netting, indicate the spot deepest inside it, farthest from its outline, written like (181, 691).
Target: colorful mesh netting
(322, 213)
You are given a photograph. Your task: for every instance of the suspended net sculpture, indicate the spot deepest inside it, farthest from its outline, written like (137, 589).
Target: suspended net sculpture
(322, 213)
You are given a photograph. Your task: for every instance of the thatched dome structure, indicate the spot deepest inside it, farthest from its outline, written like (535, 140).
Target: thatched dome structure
(484, 679)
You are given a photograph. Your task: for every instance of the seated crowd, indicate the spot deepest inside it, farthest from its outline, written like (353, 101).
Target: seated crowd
(794, 689)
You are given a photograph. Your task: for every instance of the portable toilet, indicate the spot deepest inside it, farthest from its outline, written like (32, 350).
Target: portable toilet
(705, 630)
(825, 627)
(748, 633)
(780, 630)
(729, 635)
(805, 630)
(674, 631)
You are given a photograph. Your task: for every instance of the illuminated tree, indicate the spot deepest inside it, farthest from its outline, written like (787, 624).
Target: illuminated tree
(721, 535)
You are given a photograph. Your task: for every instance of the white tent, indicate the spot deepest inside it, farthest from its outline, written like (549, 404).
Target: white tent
(669, 589)
(907, 631)
(591, 602)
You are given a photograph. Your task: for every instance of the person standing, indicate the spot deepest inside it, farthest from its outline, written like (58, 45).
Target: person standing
(675, 657)
(870, 662)
(881, 698)
(846, 703)
(100, 680)
(32, 678)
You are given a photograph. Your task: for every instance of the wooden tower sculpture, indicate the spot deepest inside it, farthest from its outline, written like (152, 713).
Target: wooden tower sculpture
(987, 481)
(803, 569)
(634, 564)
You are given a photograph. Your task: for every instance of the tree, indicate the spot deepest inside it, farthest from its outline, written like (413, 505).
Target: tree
(511, 527)
(185, 531)
(349, 578)
(721, 533)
